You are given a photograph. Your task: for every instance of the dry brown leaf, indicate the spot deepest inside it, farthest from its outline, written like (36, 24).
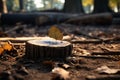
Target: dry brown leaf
(7, 46)
(118, 62)
(1, 50)
(55, 32)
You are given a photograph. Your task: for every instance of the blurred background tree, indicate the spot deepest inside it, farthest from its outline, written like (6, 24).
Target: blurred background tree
(101, 6)
(10, 4)
(115, 5)
(70, 6)
(3, 6)
(21, 5)
(73, 6)
(30, 5)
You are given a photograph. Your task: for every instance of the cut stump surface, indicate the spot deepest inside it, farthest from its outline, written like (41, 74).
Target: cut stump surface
(47, 49)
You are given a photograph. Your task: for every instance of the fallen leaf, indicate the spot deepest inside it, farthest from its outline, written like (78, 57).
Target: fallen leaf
(7, 46)
(79, 51)
(62, 65)
(68, 37)
(66, 66)
(107, 70)
(118, 62)
(55, 32)
(1, 50)
(9, 49)
(62, 73)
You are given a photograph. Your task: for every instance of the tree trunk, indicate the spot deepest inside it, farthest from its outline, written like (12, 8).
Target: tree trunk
(21, 5)
(101, 6)
(10, 4)
(73, 6)
(3, 6)
(118, 6)
(44, 4)
(51, 1)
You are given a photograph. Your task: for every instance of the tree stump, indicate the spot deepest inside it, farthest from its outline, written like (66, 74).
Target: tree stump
(47, 49)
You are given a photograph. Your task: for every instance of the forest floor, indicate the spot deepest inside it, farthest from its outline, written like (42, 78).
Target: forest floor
(95, 55)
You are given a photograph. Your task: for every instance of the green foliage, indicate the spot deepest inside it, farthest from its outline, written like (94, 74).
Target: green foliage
(10, 5)
(113, 3)
(29, 5)
(16, 5)
(87, 2)
(13, 5)
(88, 5)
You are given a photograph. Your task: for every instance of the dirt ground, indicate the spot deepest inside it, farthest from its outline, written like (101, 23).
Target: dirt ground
(91, 48)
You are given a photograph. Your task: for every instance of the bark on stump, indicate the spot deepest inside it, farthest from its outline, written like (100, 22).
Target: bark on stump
(41, 49)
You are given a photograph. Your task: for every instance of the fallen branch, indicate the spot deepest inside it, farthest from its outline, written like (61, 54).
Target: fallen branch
(106, 53)
(16, 28)
(19, 39)
(94, 57)
(38, 18)
(99, 19)
(95, 41)
(13, 43)
(107, 77)
(81, 33)
(86, 41)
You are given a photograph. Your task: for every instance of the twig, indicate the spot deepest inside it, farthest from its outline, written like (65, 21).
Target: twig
(107, 77)
(81, 33)
(86, 41)
(15, 28)
(19, 39)
(106, 53)
(94, 57)
(94, 41)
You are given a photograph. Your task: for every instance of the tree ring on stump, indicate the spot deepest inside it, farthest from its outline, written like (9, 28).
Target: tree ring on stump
(48, 49)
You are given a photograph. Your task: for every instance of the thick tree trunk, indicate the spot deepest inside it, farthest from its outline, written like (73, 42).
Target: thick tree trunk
(118, 6)
(21, 5)
(101, 6)
(3, 6)
(42, 18)
(51, 1)
(73, 6)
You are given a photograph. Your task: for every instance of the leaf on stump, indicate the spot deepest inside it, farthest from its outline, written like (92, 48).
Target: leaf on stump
(55, 32)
